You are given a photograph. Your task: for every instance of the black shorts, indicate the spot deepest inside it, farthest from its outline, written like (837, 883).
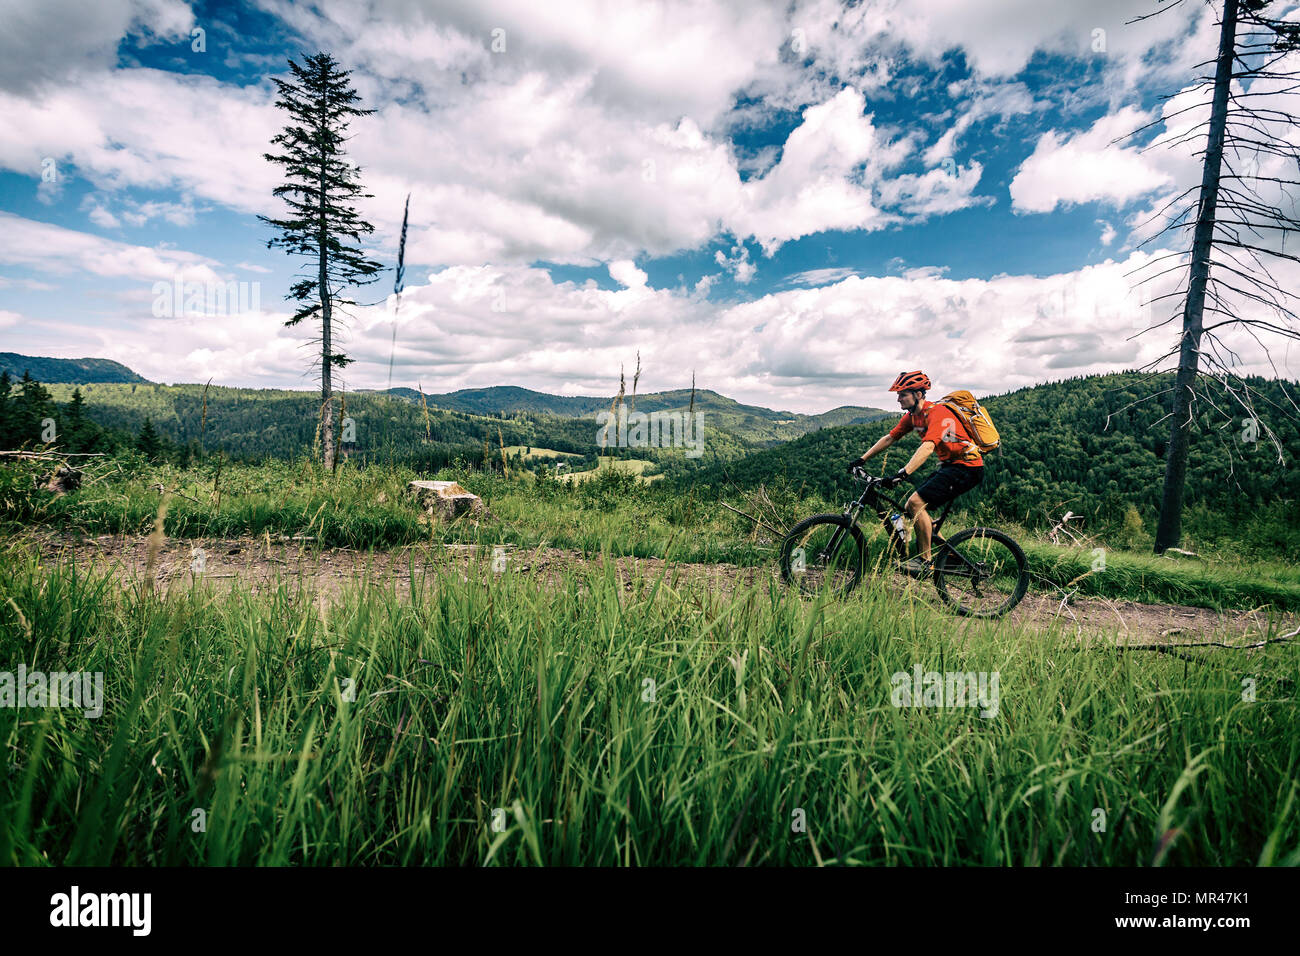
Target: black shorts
(949, 482)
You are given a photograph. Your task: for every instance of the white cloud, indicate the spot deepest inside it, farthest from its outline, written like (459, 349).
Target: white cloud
(815, 277)
(925, 272)
(601, 138)
(573, 145)
(1087, 167)
(737, 263)
(178, 214)
(705, 283)
(807, 349)
(657, 58)
(1101, 164)
(980, 99)
(824, 179)
(148, 129)
(998, 39)
(48, 40)
(627, 274)
(103, 218)
(49, 248)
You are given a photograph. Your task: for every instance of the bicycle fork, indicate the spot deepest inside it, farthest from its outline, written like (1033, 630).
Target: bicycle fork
(824, 555)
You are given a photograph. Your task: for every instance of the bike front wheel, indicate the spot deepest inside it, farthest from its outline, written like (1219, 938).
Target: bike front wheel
(981, 572)
(824, 551)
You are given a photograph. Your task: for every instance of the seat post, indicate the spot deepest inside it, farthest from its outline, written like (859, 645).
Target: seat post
(934, 528)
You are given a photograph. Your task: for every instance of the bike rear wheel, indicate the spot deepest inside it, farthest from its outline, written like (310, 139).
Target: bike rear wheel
(824, 551)
(981, 573)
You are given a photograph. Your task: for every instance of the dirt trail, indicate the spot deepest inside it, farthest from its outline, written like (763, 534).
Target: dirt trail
(261, 563)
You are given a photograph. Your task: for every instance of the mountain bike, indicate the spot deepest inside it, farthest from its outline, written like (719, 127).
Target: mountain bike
(979, 572)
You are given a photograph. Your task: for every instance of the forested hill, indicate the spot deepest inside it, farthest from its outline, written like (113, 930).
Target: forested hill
(752, 421)
(73, 371)
(281, 423)
(1091, 445)
(256, 423)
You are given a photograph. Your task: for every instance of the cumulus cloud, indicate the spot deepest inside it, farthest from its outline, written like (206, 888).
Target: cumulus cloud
(51, 40)
(1089, 166)
(998, 39)
(824, 178)
(807, 349)
(598, 139)
(582, 139)
(1160, 167)
(48, 248)
(148, 129)
(627, 274)
(815, 277)
(737, 263)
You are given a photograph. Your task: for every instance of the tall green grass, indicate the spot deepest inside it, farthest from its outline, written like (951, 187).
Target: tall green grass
(370, 508)
(614, 722)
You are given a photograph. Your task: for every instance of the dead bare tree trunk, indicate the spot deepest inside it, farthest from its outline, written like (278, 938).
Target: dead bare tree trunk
(1170, 527)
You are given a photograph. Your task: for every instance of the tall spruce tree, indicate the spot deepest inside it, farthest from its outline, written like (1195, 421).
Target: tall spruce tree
(320, 189)
(75, 423)
(147, 442)
(8, 433)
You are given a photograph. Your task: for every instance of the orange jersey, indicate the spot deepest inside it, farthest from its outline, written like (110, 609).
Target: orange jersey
(952, 443)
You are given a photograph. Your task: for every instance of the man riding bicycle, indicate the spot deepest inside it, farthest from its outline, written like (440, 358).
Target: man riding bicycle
(961, 465)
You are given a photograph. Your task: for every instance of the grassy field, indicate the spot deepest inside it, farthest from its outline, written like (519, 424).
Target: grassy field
(626, 466)
(609, 512)
(492, 721)
(529, 452)
(475, 717)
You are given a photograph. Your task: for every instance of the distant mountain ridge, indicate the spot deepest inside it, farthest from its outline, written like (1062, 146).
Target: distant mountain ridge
(505, 399)
(68, 371)
(753, 425)
(508, 399)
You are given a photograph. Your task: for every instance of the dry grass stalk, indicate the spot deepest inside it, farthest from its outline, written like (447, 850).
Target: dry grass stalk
(631, 405)
(398, 282)
(428, 434)
(156, 540)
(615, 405)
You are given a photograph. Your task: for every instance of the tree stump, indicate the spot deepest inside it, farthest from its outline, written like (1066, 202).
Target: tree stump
(63, 479)
(447, 500)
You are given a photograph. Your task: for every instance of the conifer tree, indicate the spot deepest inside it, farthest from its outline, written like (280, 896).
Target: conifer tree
(322, 223)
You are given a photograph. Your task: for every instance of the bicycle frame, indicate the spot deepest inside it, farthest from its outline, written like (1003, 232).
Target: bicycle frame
(881, 504)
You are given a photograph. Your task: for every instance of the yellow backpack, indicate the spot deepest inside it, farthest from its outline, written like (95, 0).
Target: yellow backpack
(975, 417)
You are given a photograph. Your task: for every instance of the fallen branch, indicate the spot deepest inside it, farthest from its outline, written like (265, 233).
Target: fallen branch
(757, 521)
(180, 494)
(1284, 639)
(51, 455)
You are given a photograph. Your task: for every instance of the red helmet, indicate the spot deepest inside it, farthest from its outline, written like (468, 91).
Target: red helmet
(907, 381)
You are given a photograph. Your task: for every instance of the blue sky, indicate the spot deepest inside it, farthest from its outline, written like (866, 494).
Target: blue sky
(796, 201)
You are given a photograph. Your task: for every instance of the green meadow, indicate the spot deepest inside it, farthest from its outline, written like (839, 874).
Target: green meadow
(469, 717)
